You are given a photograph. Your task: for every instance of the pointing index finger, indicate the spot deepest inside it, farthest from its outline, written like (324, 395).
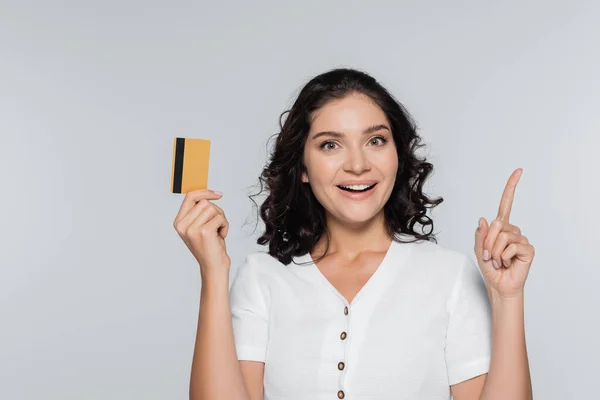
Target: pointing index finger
(508, 195)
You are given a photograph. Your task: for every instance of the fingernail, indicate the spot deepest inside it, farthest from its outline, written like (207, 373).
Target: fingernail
(495, 264)
(486, 255)
(218, 193)
(480, 224)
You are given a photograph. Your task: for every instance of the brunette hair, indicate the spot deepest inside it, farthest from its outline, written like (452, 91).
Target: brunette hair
(294, 219)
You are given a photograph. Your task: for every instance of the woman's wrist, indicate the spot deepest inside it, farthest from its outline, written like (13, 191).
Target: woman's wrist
(215, 278)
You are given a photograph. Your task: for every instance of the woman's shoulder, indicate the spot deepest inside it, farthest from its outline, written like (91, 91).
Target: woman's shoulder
(437, 255)
(262, 257)
(261, 262)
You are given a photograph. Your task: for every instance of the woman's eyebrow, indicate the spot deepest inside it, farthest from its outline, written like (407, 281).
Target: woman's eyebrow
(369, 130)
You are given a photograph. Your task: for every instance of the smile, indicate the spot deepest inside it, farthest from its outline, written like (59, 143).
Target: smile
(357, 194)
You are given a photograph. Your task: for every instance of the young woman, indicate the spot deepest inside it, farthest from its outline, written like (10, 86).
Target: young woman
(350, 301)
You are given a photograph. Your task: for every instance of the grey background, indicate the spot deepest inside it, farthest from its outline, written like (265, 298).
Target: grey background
(98, 294)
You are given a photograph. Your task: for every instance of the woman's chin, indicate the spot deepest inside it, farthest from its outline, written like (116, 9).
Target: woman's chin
(360, 217)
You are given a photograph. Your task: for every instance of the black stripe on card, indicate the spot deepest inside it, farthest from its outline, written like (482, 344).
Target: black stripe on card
(178, 169)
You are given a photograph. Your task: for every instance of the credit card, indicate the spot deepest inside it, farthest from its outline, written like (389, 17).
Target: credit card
(190, 165)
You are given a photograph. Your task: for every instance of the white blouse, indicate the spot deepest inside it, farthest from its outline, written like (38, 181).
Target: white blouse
(421, 323)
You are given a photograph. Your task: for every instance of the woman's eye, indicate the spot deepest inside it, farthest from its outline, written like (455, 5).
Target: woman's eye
(329, 145)
(325, 144)
(382, 139)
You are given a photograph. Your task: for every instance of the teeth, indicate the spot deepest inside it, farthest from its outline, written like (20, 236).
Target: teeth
(357, 187)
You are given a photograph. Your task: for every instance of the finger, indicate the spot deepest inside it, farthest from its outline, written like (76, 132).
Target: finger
(200, 214)
(480, 234)
(190, 200)
(196, 210)
(504, 240)
(508, 195)
(524, 251)
(490, 239)
(219, 225)
(219, 209)
(207, 215)
(512, 228)
(223, 230)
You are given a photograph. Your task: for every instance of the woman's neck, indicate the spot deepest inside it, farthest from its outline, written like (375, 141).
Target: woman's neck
(351, 240)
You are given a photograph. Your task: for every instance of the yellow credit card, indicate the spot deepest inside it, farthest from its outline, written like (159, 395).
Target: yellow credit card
(190, 165)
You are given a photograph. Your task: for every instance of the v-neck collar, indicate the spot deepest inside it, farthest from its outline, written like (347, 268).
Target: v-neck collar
(394, 250)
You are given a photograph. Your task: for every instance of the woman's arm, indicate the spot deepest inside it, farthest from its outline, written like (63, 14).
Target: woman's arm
(253, 372)
(509, 376)
(504, 256)
(216, 372)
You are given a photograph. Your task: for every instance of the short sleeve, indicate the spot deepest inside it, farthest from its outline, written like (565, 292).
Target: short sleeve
(248, 300)
(469, 332)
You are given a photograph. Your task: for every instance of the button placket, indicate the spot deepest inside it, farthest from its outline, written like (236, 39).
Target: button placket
(342, 364)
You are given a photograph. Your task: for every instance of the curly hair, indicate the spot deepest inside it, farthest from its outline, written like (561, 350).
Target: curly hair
(294, 219)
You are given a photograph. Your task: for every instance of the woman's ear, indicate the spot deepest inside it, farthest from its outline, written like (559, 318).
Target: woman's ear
(304, 177)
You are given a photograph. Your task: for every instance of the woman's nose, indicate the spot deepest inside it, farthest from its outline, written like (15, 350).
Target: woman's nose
(356, 162)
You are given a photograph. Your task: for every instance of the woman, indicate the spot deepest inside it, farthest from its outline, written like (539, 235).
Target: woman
(350, 301)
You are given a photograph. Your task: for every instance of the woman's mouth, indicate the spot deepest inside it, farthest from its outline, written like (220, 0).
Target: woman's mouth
(357, 193)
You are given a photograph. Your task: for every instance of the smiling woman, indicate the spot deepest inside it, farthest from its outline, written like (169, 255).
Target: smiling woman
(352, 131)
(364, 157)
(351, 299)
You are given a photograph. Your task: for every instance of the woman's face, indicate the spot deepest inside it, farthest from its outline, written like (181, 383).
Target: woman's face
(350, 142)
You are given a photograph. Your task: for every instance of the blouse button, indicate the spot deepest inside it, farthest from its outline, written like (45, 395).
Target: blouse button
(340, 394)
(345, 310)
(340, 365)
(343, 336)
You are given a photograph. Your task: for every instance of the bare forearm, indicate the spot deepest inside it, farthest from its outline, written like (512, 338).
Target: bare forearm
(508, 376)
(216, 373)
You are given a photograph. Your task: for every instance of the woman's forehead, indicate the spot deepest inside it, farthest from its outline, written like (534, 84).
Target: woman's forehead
(348, 116)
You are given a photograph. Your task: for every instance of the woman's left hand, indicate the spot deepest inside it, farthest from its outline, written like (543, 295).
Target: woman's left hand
(508, 249)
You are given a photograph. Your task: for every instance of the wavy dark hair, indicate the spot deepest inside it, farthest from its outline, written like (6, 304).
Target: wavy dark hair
(294, 219)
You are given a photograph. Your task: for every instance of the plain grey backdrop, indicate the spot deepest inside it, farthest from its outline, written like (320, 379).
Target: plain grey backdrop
(98, 294)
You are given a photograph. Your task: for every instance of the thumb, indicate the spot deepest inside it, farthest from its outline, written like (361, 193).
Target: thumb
(480, 234)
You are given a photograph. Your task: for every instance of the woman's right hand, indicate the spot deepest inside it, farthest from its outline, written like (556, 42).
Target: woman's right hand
(203, 227)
